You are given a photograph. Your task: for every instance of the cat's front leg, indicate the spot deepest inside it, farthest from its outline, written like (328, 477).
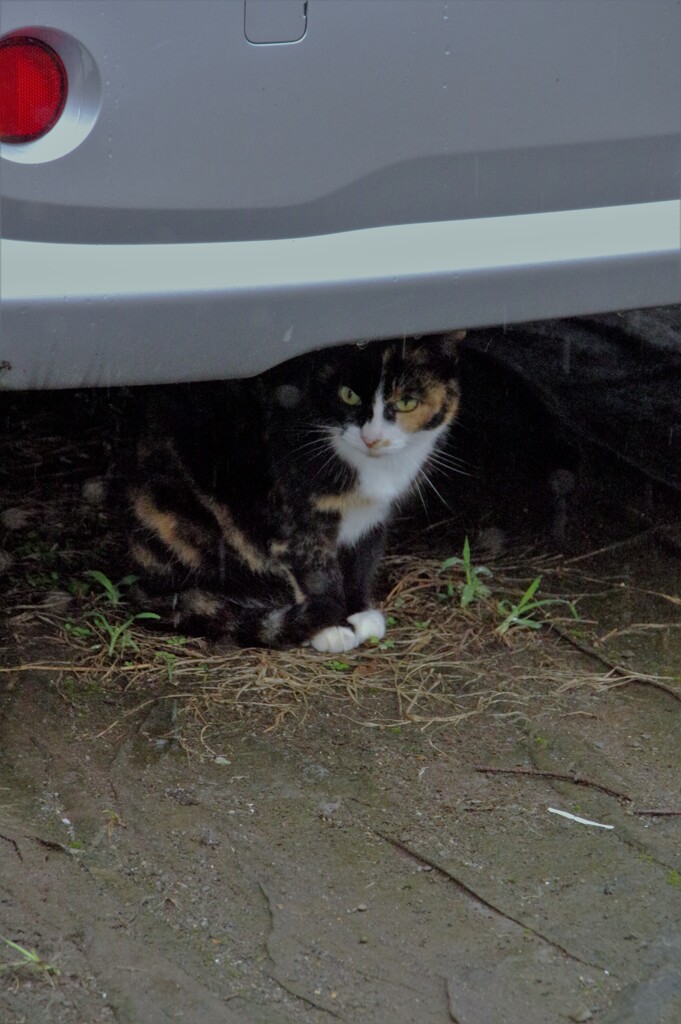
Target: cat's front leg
(319, 616)
(337, 590)
(326, 603)
(358, 564)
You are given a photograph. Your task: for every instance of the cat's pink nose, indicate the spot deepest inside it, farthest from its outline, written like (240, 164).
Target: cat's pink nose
(369, 443)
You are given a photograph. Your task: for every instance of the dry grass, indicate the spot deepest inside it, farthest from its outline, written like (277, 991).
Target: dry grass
(439, 663)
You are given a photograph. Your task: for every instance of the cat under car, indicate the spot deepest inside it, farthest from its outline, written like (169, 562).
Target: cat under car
(258, 507)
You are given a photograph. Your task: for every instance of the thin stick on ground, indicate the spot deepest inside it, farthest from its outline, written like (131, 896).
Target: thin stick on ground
(579, 780)
(672, 813)
(643, 535)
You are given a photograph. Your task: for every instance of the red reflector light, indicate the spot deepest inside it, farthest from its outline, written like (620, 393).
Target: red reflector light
(33, 87)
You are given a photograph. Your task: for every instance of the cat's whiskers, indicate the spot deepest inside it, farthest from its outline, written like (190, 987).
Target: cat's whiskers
(320, 454)
(444, 462)
(306, 431)
(320, 470)
(419, 491)
(331, 458)
(422, 475)
(427, 480)
(311, 449)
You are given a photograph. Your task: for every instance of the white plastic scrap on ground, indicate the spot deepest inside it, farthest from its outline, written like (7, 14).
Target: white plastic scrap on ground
(574, 817)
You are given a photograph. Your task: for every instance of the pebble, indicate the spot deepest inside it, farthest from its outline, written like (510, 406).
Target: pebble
(57, 600)
(94, 491)
(490, 542)
(15, 518)
(208, 837)
(327, 808)
(182, 796)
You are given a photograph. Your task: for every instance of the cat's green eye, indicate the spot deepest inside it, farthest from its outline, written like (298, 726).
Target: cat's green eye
(348, 396)
(406, 404)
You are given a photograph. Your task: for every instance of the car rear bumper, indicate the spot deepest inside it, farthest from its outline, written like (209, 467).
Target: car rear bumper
(82, 315)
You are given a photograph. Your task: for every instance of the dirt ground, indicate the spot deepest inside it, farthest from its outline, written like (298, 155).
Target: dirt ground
(335, 847)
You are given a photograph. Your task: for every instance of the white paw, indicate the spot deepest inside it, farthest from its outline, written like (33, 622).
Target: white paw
(334, 640)
(367, 624)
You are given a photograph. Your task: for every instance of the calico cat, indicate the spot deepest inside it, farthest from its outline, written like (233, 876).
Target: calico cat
(259, 507)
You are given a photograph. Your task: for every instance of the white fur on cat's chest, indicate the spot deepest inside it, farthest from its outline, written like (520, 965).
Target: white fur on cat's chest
(358, 520)
(381, 481)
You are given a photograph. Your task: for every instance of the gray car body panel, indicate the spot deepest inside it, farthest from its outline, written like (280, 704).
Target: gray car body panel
(404, 166)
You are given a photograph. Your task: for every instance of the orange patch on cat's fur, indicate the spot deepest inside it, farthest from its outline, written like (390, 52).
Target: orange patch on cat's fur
(341, 503)
(429, 406)
(198, 603)
(146, 558)
(167, 526)
(234, 536)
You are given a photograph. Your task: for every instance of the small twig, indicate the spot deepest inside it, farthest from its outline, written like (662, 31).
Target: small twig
(660, 813)
(625, 674)
(658, 593)
(13, 842)
(579, 780)
(140, 707)
(617, 544)
(49, 844)
(73, 669)
(637, 627)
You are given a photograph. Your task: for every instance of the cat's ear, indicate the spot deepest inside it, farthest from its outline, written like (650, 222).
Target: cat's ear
(426, 347)
(449, 342)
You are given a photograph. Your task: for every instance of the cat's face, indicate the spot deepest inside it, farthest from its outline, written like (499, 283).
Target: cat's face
(381, 408)
(389, 399)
